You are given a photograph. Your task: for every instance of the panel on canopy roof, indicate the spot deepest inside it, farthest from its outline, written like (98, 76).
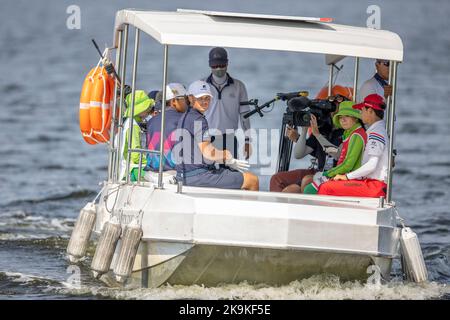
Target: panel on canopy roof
(198, 29)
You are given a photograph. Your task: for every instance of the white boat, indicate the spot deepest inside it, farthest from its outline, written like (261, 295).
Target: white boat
(208, 236)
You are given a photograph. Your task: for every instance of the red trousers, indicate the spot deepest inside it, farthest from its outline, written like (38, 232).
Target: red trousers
(354, 188)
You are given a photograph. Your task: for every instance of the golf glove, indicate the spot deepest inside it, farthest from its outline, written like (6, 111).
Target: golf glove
(239, 165)
(332, 151)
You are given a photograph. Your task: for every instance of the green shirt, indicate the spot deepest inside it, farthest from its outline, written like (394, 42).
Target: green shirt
(354, 154)
(135, 144)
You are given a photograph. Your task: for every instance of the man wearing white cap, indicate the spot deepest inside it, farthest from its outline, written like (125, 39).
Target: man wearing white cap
(176, 105)
(195, 166)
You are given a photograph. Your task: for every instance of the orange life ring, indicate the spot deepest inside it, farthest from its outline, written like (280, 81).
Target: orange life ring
(335, 90)
(85, 99)
(95, 106)
(99, 110)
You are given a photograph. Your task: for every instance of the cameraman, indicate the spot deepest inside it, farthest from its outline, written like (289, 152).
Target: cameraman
(321, 145)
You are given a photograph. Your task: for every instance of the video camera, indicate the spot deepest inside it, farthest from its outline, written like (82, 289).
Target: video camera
(298, 113)
(300, 109)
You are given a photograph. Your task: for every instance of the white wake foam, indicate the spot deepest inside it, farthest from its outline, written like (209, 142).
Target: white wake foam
(314, 288)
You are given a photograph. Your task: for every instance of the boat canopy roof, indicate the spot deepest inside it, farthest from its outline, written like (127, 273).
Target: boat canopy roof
(234, 30)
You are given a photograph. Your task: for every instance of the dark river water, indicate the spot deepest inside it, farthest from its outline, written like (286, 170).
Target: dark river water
(47, 172)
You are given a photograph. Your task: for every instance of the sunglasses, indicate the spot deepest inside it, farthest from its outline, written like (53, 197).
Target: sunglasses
(219, 66)
(337, 98)
(385, 63)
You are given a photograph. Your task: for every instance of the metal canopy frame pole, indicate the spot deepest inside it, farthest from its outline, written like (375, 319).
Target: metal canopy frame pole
(355, 79)
(388, 99)
(330, 79)
(163, 115)
(391, 127)
(133, 90)
(122, 74)
(113, 107)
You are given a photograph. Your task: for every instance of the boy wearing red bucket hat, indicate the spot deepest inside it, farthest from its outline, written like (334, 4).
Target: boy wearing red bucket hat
(370, 179)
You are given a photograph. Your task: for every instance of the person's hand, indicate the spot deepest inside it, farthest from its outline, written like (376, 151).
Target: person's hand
(239, 165)
(292, 133)
(387, 91)
(314, 126)
(340, 177)
(332, 151)
(247, 150)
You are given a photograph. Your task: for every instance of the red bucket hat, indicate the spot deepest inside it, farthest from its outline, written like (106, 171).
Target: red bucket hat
(374, 101)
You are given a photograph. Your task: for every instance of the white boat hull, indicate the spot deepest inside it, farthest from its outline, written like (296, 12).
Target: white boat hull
(210, 236)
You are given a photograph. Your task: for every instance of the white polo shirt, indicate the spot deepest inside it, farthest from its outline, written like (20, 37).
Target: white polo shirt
(225, 111)
(375, 156)
(369, 87)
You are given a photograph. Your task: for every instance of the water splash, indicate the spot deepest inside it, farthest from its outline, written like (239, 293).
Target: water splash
(319, 287)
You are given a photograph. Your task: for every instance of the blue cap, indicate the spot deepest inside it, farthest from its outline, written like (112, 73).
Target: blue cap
(155, 95)
(152, 94)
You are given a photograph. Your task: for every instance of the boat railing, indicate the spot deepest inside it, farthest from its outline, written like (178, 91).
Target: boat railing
(115, 157)
(141, 153)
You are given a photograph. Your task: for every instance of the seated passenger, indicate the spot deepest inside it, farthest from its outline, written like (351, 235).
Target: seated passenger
(142, 108)
(370, 179)
(175, 107)
(322, 145)
(195, 167)
(155, 95)
(354, 140)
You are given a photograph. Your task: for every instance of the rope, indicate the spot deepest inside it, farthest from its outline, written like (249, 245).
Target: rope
(399, 218)
(116, 189)
(139, 216)
(98, 64)
(98, 194)
(90, 136)
(141, 212)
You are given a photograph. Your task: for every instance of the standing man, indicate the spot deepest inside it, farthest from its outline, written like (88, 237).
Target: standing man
(225, 111)
(378, 83)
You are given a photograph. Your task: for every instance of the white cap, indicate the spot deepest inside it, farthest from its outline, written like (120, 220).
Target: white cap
(175, 90)
(199, 89)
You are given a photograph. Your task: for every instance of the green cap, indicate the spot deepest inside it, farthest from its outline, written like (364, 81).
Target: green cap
(345, 109)
(141, 103)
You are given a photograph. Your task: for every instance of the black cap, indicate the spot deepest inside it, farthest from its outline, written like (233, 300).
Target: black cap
(217, 56)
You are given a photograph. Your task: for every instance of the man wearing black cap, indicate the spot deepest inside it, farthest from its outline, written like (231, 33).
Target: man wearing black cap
(225, 112)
